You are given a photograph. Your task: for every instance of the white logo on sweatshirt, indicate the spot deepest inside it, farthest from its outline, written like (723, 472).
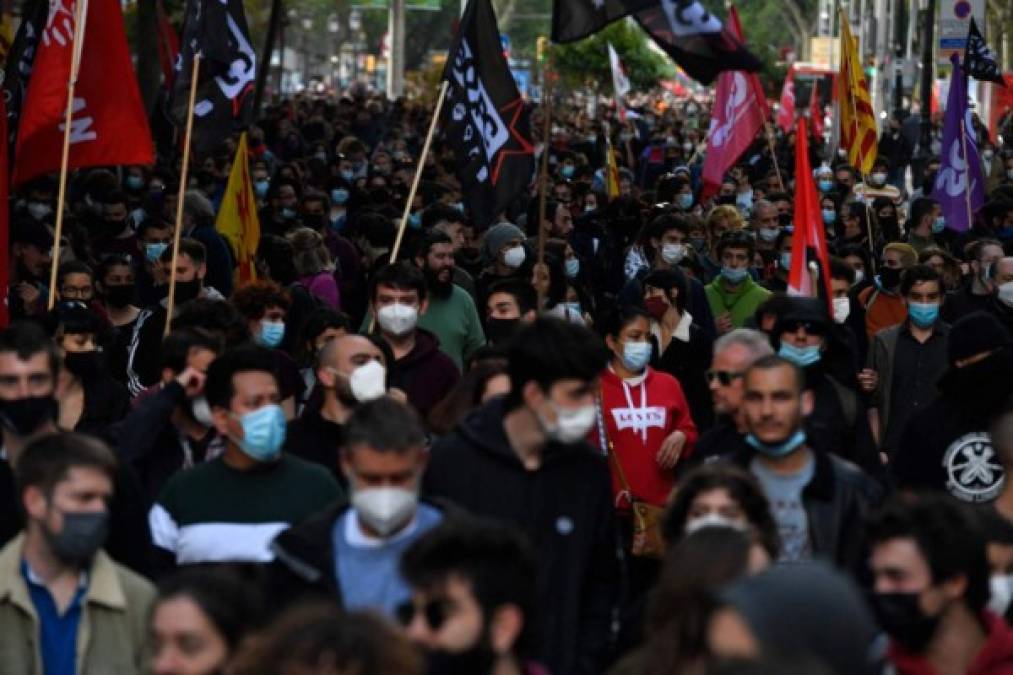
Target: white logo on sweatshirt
(639, 419)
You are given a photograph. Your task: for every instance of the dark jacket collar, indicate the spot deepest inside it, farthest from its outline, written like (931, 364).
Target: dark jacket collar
(821, 486)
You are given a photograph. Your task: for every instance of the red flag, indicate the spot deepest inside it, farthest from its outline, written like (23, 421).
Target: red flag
(739, 111)
(108, 124)
(809, 240)
(5, 218)
(786, 111)
(816, 110)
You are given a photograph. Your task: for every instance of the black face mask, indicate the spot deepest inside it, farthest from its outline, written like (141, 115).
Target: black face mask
(890, 277)
(928, 182)
(501, 330)
(843, 188)
(22, 416)
(478, 660)
(187, 290)
(901, 616)
(981, 387)
(314, 222)
(784, 219)
(119, 296)
(84, 365)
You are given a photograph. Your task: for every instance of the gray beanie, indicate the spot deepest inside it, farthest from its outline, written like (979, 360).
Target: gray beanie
(496, 237)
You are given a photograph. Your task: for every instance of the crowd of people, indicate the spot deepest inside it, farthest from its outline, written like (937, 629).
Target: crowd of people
(608, 441)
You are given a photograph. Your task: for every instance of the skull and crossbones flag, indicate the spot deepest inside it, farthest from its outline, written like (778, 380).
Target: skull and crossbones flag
(217, 30)
(979, 61)
(485, 119)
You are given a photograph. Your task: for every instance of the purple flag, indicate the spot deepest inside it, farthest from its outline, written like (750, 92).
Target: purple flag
(959, 186)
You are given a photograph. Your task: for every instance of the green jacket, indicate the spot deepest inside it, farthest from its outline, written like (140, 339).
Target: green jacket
(740, 303)
(113, 631)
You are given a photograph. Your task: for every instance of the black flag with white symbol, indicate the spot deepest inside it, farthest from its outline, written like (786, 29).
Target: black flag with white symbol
(485, 119)
(576, 19)
(228, 70)
(695, 39)
(979, 61)
(18, 67)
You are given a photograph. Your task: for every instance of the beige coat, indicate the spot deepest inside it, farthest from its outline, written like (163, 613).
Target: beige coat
(113, 629)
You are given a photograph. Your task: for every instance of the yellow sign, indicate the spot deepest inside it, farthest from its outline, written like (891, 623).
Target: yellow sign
(825, 52)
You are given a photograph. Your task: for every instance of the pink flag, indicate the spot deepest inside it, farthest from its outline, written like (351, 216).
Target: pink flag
(786, 111)
(740, 109)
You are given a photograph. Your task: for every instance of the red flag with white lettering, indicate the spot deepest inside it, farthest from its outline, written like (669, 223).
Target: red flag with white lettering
(786, 110)
(740, 109)
(108, 124)
(809, 239)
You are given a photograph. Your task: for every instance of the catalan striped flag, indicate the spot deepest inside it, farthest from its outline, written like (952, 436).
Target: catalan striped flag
(858, 121)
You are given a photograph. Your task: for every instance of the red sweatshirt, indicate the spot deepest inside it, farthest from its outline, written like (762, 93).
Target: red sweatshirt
(995, 657)
(638, 417)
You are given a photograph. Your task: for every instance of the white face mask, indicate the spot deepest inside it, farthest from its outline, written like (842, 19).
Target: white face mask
(713, 519)
(201, 411)
(514, 257)
(571, 424)
(878, 179)
(398, 319)
(368, 382)
(842, 309)
(673, 253)
(385, 509)
(1005, 292)
(1001, 593)
(859, 277)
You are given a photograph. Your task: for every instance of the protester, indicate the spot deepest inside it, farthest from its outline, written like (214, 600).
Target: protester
(884, 307)
(734, 296)
(65, 605)
(975, 294)
(350, 552)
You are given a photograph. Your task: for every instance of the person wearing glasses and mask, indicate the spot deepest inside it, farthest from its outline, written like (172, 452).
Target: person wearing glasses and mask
(350, 551)
(473, 599)
(733, 354)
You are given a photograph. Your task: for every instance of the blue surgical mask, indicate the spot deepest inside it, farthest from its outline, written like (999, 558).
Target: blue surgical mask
(938, 225)
(271, 333)
(415, 220)
(785, 260)
(260, 188)
(458, 205)
(778, 449)
(263, 433)
(134, 182)
(734, 275)
(829, 216)
(636, 355)
(339, 196)
(800, 356)
(567, 171)
(338, 224)
(923, 314)
(287, 213)
(826, 185)
(685, 201)
(152, 252)
(572, 267)
(574, 308)
(348, 175)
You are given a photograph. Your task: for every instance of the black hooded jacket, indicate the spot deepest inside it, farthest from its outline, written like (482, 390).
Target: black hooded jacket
(564, 507)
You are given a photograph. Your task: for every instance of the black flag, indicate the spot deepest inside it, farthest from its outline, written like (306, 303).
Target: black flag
(228, 70)
(485, 119)
(979, 61)
(695, 39)
(18, 67)
(576, 19)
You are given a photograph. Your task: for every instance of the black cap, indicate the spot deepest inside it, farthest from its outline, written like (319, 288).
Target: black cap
(976, 333)
(812, 311)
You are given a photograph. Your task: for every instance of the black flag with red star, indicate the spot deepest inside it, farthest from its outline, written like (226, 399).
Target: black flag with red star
(485, 118)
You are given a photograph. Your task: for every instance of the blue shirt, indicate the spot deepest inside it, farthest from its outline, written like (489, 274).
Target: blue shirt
(57, 632)
(367, 568)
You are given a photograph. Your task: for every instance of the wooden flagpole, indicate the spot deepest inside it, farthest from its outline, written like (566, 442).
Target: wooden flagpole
(80, 21)
(418, 171)
(543, 171)
(170, 306)
(773, 152)
(967, 161)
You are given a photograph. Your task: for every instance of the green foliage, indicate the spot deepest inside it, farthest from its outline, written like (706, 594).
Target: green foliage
(586, 63)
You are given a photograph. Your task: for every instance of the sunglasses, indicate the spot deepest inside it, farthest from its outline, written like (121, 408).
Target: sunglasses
(725, 377)
(435, 613)
(811, 328)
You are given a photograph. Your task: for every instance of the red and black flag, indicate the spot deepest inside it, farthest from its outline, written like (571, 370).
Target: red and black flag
(217, 30)
(485, 119)
(809, 241)
(695, 39)
(18, 66)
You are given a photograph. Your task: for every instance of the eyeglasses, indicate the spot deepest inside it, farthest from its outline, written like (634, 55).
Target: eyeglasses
(83, 292)
(725, 377)
(434, 611)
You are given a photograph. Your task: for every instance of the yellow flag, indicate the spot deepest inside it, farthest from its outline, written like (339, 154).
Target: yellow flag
(6, 35)
(611, 171)
(237, 218)
(858, 121)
